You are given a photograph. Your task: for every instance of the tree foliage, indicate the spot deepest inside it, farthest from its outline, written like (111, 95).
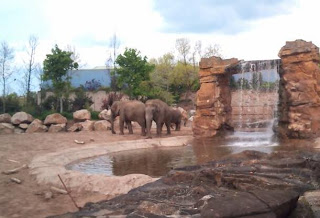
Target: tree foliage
(132, 71)
(55, 69)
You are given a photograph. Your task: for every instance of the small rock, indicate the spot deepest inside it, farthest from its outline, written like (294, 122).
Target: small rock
(55, 118)
(57, 128)
(5, 118)
(78, 142)
(23, 126)
(21, 117)
(18, 130)
(48, 195)
(82, 115)
(75, 127)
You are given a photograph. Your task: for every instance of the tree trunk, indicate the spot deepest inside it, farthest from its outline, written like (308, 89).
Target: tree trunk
(61, 105)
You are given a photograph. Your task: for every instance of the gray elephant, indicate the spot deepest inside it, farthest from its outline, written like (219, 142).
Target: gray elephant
(158, 111)
(128, 111)
(175, 117)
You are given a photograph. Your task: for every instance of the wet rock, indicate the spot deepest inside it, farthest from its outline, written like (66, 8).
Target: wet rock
(102, 125)
(24, 126)
(249, 184)
(82, 115)
(105, 115)
(6, 128)
(299, 91)
(75, 127)
(87, 125)
(5, 118)
(55, 118)
(21, 117)
(36, 126)
(57, 128)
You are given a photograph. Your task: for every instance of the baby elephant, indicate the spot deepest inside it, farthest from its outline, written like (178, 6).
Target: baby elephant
(128, 111)
(175, 117)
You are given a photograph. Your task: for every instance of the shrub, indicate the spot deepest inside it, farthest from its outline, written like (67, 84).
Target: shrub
(81, 100)
(94, 115)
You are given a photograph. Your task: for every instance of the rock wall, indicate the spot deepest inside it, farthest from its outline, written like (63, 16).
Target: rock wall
(213, 102)
(299, 91)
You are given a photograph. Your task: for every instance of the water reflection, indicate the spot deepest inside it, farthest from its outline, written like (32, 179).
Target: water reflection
(158, 161)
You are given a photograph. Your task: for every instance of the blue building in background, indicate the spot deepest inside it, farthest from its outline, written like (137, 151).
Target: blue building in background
(98, 76)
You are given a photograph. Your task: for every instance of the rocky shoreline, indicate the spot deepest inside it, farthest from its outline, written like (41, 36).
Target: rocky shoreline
(248, 184)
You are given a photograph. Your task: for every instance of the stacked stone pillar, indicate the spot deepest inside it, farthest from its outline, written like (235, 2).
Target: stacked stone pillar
(213, 103)
(299, 90)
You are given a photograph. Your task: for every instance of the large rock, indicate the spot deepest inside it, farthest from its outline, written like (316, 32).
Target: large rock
(299, 91)
(57, 128)
(36, 126)
(55, 118)
(105, 115)
(6, 128)
(87, 125)
(5, 118)
(21, 117)
(82, 115)
(248, 184)
(102, 125)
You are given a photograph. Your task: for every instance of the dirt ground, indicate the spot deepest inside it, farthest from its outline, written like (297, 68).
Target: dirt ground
(27, 199)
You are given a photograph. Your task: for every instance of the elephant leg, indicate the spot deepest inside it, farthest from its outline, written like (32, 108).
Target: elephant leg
(148, 126)
(112, 126)
(129, 125)
(143, 128)
(168, 128)
(159, 128)
(121, 124)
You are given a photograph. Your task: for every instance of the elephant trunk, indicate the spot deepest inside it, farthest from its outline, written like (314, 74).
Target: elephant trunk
(149, 118)
(112, 123)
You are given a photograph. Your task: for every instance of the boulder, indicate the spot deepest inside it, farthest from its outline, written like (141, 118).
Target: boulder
(21, 117)
(82, 115)
(57, 128)
(36, 126)
(87, 125)
(5, 118)
(75, 127)
(102, 125)
(23, 126)
(6, 128)
(55, 118)
(105, 115)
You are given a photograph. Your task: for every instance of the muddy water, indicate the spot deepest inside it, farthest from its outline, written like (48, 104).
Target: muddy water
(158, 161)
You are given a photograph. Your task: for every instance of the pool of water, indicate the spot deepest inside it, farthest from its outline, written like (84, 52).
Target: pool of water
(158, 161)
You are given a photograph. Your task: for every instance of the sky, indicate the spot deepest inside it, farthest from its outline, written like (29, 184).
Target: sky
(244, 29)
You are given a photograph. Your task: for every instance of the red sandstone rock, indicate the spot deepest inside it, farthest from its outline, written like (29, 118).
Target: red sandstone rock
(299, 99)
(36, 126)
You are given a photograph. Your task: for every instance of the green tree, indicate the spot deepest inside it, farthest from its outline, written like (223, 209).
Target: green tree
(132, 71)
(55, 69)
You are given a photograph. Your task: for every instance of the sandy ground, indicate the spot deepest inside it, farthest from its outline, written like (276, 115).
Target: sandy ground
(27, 199)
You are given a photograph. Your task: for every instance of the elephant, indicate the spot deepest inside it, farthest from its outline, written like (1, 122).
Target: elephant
(158, 111)
(128, 111)
(175, 117)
